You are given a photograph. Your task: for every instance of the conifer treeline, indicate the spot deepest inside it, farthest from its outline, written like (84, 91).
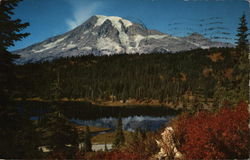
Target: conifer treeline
(166, 77)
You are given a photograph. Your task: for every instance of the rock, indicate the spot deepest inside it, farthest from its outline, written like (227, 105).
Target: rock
(167, 146)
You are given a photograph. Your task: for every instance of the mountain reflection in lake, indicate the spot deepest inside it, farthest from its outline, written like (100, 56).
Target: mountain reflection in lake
(84, 113)
(130, 123)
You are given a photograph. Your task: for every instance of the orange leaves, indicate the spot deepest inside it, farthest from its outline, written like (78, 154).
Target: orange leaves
(216, 57)
(207, 71)
(214, 135)
(229, 73)
(183, 76)
(161, 77)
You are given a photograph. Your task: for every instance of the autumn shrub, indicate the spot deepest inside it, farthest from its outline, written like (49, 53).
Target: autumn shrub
(207, 135)
(143, 147)
(113, 155)
(56, 155)
(179, 125)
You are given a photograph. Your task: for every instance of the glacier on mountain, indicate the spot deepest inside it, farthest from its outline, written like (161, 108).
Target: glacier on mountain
(107, 35)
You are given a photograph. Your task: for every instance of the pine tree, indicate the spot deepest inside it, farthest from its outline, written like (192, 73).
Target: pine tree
(55, 93)
(17, 134)
(105, 147)
(242, 67)
(9, 33)
(87, 140)
(119, 135)
(18, 138)
(55, 88)
(138, 136)
(237, 89)
(57, 131)
(242, 41)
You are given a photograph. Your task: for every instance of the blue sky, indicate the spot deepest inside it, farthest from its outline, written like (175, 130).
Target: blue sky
(212, 18)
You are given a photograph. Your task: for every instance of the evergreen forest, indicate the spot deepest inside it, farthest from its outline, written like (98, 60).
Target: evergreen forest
(206, 75)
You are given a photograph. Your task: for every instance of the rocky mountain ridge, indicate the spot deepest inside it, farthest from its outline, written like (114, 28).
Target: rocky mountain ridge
(108, 35)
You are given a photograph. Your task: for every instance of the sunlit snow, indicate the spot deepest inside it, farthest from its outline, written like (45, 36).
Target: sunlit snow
(115, 21)
(108, 44)
(50, 45)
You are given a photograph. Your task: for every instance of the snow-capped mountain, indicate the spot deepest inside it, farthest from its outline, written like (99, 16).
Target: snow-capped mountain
(107, 35)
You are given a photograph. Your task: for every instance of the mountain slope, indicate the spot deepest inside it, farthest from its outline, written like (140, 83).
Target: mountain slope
(107, 35)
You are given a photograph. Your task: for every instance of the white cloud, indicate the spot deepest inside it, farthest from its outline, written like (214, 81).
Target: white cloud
(81, 12)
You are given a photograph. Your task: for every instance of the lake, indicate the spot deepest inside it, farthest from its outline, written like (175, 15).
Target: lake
(84, 113)
(130, 123)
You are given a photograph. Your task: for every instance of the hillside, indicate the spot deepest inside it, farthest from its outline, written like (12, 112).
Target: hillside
(188, 76)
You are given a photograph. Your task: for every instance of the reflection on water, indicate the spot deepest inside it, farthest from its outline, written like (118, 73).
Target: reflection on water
(129, 123)
(83, 113)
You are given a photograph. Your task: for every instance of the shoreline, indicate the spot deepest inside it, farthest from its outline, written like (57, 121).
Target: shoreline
(99, 103)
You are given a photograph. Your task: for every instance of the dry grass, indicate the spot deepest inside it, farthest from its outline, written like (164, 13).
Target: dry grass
(108, 137)
(91, 128)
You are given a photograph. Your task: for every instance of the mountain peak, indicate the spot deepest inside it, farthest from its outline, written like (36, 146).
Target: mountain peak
(106, 35)
(116, 21)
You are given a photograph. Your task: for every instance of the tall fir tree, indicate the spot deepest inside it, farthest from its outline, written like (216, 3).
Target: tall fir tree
(55, 88)
(55, 93)
(237, 89)
(57, 132)
(242, 67)
(9, 33)
(87, 140)
(18, 138)
(119, 135)
(105, 147)
(17, 135)
(242, 40)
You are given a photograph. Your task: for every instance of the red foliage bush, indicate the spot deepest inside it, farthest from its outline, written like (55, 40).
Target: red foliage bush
(143, 144)
(56, 155)
(222, 135)
(114, 155)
